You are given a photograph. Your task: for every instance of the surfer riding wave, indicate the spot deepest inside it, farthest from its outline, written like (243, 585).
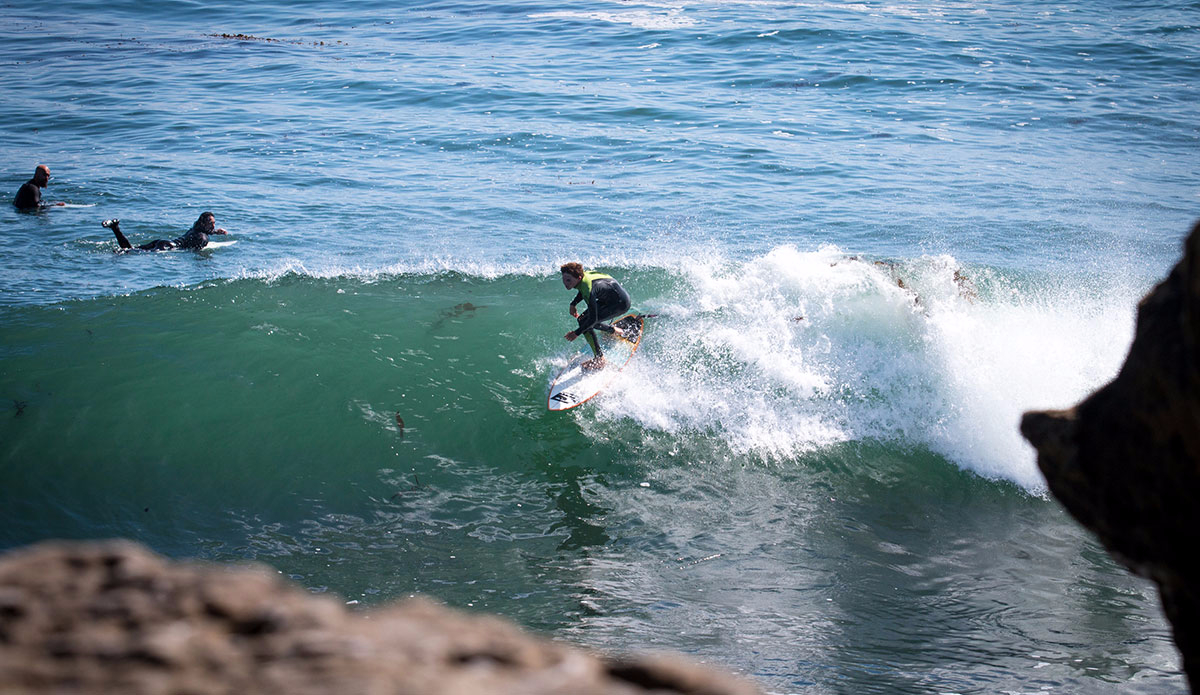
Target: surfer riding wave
(605, 299)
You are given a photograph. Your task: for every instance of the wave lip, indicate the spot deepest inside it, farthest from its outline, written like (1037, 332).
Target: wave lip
(794, 351)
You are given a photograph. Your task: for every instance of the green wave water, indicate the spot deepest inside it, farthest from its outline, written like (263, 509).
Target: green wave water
(781, 465)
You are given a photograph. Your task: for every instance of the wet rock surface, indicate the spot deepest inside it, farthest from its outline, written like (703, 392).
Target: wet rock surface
(1126, 460)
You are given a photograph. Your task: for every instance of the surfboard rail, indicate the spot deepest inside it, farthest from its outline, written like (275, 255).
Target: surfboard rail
(573, 385)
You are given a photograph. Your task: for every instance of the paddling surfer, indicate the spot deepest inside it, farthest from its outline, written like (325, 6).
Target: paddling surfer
(29, 195)
(196, 238)
(605, 299)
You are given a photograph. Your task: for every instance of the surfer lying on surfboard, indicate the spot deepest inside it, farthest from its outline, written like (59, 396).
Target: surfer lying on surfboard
(605, 299)
(195, 238)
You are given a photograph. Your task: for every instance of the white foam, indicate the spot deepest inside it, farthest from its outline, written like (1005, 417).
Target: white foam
(424, 266)
(794, 351)
(670, 18)
(1021, 351)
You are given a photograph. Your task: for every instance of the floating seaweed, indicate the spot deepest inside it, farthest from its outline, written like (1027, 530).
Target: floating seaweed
(455, 312)
(266, 39)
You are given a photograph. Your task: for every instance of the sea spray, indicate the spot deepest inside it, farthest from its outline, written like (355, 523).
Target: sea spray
(1016, 349)
(795, 351)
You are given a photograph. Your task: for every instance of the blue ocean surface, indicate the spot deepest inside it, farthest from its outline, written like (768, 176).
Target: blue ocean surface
(872, 234)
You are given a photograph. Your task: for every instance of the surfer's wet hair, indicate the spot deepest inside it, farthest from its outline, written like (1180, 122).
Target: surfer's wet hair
(206, 222)
(573, 268)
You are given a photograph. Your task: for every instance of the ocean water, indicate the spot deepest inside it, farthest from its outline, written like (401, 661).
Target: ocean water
(872, 233)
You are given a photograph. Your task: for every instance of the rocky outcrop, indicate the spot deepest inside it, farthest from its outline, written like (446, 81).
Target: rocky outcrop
(1126, 461)
(113, 617)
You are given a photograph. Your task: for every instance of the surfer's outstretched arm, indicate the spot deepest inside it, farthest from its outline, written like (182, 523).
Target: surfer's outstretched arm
(115, 226)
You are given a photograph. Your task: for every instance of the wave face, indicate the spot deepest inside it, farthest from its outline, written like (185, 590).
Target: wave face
(799, 437)
(775, 360)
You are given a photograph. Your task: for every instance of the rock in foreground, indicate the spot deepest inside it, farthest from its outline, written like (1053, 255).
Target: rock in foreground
(1126, 461)
(113, 617)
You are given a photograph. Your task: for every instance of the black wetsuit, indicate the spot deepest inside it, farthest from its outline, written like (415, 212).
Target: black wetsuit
(196, 238)
(29, 196)
(605, 299)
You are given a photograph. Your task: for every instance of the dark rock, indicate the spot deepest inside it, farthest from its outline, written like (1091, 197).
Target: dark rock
(112, 617)
(1126, 461)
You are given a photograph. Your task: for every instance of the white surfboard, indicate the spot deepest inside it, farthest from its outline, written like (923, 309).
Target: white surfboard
(575, 385)
(219, 244)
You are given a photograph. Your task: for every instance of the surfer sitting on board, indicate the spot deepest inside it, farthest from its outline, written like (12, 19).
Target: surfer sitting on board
(29, 195)
(605, 299)
(196, 237)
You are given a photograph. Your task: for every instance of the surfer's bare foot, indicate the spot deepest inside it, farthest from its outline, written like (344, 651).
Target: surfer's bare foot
(594, 363)
(619, 331)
